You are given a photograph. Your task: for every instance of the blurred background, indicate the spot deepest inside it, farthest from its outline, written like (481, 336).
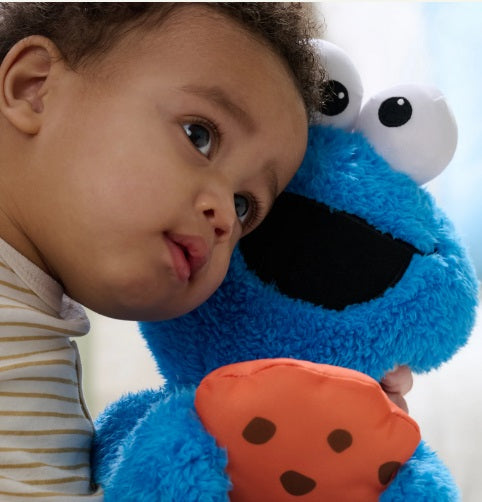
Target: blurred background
(390, 43)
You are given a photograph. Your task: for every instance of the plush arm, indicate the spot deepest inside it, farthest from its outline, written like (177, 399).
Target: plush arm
(166, 456)
(113, 425)
(424, 478)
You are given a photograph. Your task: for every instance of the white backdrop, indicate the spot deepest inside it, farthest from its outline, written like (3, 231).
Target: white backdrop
(390, 42)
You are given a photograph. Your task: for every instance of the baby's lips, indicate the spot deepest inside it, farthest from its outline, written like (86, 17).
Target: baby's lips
(299, 428)
(196, 250)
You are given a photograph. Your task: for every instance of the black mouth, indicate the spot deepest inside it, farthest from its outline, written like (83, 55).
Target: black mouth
(325, 257)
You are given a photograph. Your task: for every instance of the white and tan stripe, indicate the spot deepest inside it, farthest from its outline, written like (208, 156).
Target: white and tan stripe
(12, 288)
(45, 435)
(37, 465)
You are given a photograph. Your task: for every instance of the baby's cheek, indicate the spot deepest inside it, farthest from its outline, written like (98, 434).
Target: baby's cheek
(217, 268)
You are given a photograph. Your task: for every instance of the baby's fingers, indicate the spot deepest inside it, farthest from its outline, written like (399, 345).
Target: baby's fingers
(398, 381)
(396, 384)
(399, 400)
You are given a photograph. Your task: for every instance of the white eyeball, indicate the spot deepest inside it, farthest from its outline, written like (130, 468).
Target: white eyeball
(344, 83)
(412, 128)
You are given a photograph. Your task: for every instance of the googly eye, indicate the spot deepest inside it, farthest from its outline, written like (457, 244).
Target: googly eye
(395, 112)
(337, 101)
(345, 90)
(412, 128)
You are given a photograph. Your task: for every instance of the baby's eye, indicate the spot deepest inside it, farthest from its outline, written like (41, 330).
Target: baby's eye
(242, 206)
(200, 137)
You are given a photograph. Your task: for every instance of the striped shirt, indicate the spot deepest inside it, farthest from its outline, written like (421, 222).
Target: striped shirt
(45, 428)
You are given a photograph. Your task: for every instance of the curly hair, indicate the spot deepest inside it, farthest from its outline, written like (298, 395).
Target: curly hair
(83, 30)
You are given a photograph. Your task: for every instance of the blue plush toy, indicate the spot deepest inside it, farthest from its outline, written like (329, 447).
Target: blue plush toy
(355, 267)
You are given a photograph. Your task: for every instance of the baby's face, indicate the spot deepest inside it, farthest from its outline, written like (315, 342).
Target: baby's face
(157, 165)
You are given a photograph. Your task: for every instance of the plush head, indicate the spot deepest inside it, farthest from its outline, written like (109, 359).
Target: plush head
(355, 266)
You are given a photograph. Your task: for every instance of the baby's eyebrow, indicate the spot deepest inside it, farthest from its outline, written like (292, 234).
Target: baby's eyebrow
(219, 97)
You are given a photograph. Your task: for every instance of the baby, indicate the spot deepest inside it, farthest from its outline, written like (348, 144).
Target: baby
(138, 143)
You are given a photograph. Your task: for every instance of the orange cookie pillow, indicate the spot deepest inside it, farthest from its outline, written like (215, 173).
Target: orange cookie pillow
(296, 430)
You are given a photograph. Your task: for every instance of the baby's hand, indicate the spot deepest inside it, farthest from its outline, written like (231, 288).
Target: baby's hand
(396, 384)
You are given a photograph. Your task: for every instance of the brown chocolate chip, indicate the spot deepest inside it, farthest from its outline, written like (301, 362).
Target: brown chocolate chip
(259, 431)
(297, 484)
(387, 472)
(340, 440)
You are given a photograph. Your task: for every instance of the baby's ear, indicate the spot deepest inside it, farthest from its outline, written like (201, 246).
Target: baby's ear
(23, 75)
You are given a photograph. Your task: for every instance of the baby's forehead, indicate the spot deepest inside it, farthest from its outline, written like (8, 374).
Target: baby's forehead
(189, 32)
(92, 37)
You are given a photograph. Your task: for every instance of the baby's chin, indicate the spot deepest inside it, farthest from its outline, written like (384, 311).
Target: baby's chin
(139, 291)
(146, 304)
(135, 310)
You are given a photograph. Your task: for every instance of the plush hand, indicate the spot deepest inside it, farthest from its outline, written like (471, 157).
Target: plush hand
(424, 478)
(160, 453)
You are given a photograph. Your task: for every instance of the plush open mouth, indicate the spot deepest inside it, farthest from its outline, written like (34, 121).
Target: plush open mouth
(326, 257)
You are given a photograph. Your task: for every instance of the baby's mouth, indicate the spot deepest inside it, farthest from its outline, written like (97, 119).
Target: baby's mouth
(326, 257)
(189, 254)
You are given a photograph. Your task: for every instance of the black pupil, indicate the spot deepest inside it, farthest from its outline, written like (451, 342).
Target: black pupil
(336, 99)
(198, 134)
(241, 205)
(395, 112)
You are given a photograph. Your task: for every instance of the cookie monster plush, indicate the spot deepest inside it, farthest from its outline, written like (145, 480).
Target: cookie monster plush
(354, 272)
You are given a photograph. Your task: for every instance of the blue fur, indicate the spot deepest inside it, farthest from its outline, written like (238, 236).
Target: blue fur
(165, 456)
(421, 321)
(424, 478)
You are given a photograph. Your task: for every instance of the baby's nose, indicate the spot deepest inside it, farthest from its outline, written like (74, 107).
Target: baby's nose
(222, 223)
(218, 208)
